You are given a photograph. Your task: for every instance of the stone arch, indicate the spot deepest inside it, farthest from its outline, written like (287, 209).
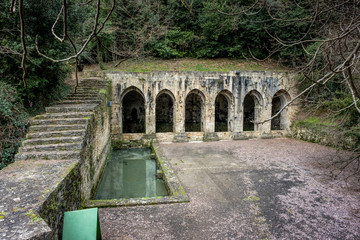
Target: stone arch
(280, 99)
(165, 111)
(252, 106)
(224, 111)
(132, 110)
(195, 111)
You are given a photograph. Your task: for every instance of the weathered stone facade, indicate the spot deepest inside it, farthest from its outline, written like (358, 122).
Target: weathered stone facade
(200, 105)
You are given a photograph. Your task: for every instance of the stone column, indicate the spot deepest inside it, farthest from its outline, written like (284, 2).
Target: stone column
(265, 128)
(150, 115)
(239, 111)
(116, 111)
(238, 123)
(209, 125)
(179, 115)
(179, 108)
(116, 119)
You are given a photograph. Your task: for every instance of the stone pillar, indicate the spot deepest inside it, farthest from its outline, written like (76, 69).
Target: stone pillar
(150, 115)
(209, 124)
(238, 125)
(265, 128)
(238, 116)
(116, 119)
(150, 123)
(179, 109)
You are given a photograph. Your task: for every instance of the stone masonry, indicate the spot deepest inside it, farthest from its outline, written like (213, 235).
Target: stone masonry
(200, 105)
(58, 165)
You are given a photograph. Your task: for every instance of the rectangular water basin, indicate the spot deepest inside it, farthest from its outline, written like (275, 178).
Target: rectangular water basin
(131, 173)
(128, 181)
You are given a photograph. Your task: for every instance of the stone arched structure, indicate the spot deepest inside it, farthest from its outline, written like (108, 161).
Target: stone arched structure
(195, 111)
(224, 111)
(279, 100)
(252, 108)
(202, 93)
(133, 111)
(165, 111)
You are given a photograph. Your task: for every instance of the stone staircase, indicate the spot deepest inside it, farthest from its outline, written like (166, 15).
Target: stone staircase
(59, 134)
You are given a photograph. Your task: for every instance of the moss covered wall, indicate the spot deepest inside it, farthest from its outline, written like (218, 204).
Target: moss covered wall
(46, 179)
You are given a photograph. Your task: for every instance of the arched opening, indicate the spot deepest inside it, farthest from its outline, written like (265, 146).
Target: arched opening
(194, 108)
(276, 106)
(221, 113)
(251, 110)
(280, 122)
(249, 113)
(164, 113)
(133, 112)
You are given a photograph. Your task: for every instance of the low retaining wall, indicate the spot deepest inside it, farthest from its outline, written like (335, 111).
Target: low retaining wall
(58, 165)
(324, 135)
(129, 139)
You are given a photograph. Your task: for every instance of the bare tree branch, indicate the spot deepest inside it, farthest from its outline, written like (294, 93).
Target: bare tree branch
(355, 99)
(347, 107)
(23, 42)
(343, 66)
(86, 3)
(13, 6)
(53, 26)
(93, 34)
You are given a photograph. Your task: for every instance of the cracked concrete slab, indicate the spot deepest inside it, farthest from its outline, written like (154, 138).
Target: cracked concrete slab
(256, 189)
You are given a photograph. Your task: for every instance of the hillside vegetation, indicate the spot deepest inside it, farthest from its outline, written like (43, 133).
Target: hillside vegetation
(187, 64)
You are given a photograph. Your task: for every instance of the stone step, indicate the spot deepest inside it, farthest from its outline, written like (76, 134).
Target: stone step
(97, 91)
(52, 147)
(53, 134)
(52, 155)
(61, 121)
(65, 115)
(51, 128)
(82, 98)
(51, 140)
(90, 85)
(71, 108)
(92, 81)
(91, 88)
(85, 90)
(80, 101)
(84, 95)
(81, 92)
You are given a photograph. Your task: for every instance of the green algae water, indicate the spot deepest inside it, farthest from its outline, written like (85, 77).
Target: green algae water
(130, 173)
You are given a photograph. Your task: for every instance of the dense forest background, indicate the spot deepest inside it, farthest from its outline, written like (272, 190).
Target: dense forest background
(318, 39)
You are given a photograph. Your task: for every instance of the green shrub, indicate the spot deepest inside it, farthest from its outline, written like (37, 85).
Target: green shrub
(14, 122)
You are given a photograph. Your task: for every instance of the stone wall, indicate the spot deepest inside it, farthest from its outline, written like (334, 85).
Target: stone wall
(325, 135)
(58, 165)
(202, 89)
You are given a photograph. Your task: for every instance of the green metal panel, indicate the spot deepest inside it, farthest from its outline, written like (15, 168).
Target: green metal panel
(82, 225)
